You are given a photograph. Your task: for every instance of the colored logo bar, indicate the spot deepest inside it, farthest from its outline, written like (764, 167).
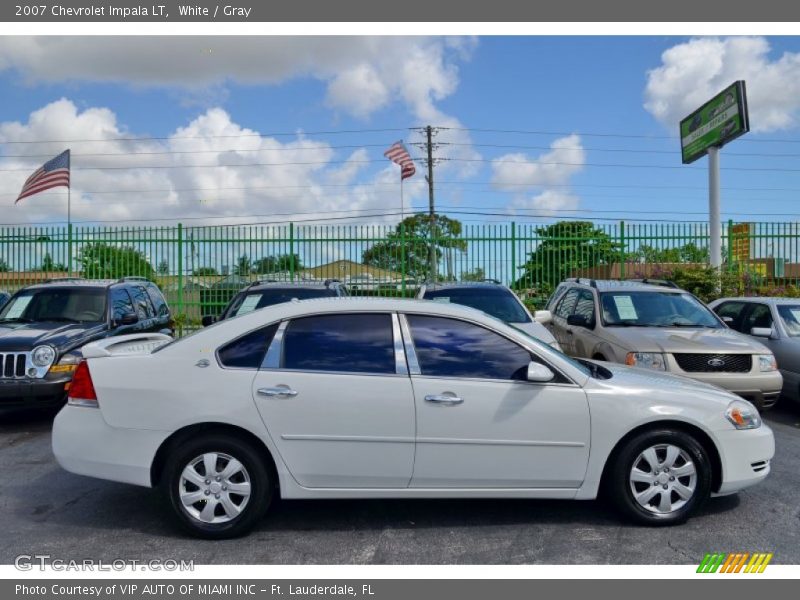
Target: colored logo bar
(737, 562)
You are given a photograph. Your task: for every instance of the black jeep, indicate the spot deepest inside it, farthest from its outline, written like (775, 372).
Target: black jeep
(44, 326)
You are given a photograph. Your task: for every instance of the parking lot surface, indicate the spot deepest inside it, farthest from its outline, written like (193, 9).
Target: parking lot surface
(49, 511)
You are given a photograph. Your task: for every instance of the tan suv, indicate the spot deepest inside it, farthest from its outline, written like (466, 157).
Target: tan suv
(655, 325)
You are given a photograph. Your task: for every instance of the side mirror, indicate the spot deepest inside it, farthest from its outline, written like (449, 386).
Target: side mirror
(539, 373)
(765, 332)
(128, 319)
(208, 320)
(543, 316)
(578, 321)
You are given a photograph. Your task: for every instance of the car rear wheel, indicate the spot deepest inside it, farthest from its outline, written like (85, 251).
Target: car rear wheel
(660, 477)
(217, 486)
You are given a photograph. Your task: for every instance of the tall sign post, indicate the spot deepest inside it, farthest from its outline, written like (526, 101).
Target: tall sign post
(705, 131)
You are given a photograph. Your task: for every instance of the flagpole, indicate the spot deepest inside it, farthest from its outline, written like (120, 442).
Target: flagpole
(69, 228)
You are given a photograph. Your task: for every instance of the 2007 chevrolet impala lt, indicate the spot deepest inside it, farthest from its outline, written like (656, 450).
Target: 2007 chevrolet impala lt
(379, 398)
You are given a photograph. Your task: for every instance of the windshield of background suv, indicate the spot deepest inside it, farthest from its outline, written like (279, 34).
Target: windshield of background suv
(80, 305)
(259, 299)
(497, 302)
(655, 309)
(790, 314)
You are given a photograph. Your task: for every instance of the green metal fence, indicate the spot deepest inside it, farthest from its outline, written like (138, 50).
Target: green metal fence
(200, 268)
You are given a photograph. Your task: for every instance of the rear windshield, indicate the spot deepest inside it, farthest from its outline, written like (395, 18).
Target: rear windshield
(497, 302)
(250, 301)
(79, 305)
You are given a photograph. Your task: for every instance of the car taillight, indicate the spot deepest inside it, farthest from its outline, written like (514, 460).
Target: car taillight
(81, 390)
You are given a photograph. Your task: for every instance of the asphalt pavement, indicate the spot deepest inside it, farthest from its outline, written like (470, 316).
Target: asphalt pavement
(49, 511)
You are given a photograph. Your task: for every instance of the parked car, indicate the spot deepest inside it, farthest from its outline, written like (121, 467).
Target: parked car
(266, 293)
(658, 326)
(776, 323)
(393, 398)
(494, 299)
(44, 326)
(4, 297)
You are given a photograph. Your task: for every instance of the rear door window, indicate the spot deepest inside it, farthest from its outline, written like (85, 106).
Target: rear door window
(159, 303)
(247, 352)
(340, 343)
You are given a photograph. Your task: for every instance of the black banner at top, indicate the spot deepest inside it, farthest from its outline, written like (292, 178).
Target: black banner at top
(497, 11)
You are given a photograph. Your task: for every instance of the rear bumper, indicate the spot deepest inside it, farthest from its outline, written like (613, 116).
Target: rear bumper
(746, 457)
(30, 393)
(85, 444)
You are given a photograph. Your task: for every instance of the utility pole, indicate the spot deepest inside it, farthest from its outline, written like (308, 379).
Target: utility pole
(431, 212)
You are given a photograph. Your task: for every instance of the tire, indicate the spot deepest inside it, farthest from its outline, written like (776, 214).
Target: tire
(218, 512)
(687, 477)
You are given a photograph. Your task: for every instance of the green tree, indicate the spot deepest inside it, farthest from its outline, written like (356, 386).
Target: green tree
(476, 274)
(277, 264)
(50, 266)
(564, 248)
(205, 272)
(163, 267)
(104, 261)
(406, 249)
(244, 266)
(688, 253)
(4, 268)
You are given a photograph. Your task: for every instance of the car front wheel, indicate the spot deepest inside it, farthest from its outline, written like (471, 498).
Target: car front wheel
(217, 486)
(660, 477)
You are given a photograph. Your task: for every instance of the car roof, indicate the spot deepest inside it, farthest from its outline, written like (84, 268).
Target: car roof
(266, 285)
(760, 299)
(449, 285)
(66, 282)
(625, 285)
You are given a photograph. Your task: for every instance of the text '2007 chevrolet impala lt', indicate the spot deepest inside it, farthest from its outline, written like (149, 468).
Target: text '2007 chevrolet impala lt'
(379, 398)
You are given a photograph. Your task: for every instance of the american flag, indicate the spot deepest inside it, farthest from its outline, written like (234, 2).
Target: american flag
(398, 154)
(51, 174)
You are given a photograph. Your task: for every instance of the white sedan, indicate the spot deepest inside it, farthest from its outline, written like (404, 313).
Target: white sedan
(370, 398)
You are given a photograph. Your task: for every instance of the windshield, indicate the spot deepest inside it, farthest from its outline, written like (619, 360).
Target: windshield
(790, 315)
(251, 301)
(655, 309)
(497, 302)
(57, 304)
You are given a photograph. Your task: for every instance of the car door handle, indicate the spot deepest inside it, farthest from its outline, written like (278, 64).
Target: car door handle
(444, 399)
(280, 391)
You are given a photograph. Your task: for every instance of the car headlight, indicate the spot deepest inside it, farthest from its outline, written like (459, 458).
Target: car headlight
(647, 360)
(743, 415)
(43, 356)
(767, 362)
(67, 364)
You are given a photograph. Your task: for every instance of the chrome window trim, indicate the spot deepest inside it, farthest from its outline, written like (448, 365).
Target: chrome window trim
(400, 366)
(408, 344)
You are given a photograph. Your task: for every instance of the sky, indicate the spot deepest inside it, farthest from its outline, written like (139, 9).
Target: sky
(263, 129)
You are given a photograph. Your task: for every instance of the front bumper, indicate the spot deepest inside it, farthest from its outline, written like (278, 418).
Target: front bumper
(745, 456)
(85, 444)
(762, 389)
(30, 393)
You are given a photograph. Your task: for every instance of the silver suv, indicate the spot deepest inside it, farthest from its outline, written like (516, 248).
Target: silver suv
(655, 325)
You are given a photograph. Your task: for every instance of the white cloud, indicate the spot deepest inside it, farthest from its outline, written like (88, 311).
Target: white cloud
(515, 172)
(212, 177)
(363, 74)
(692, 72)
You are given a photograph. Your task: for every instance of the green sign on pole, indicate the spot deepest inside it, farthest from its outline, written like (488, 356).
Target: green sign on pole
(717, 122)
